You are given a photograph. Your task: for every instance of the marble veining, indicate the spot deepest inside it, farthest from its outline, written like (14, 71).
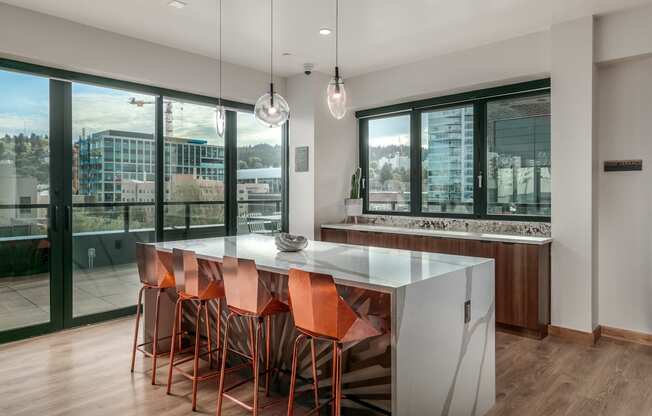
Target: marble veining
(532, 229)
(372, 267)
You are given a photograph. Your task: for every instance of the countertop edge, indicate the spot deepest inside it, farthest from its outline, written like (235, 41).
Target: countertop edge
(463, 235)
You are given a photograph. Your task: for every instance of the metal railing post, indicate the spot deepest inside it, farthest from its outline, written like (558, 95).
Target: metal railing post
(125, 218)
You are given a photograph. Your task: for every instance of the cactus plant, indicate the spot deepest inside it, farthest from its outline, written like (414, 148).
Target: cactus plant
(355, 184)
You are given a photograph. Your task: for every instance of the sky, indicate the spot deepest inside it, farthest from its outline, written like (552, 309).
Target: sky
(389, 131)
(24, 108)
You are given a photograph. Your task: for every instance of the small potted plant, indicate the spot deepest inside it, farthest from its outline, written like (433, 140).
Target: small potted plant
(353, 204)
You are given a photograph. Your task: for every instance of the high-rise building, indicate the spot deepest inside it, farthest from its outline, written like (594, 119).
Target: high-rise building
(109, 158)
(450, 155)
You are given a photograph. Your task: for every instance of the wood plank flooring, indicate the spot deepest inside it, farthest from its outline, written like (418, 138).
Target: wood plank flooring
(86, 372)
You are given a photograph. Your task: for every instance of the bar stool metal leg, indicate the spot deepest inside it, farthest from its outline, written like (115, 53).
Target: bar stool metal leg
(208, 335)
(315, 385)
(256, 354)
(225, 347)
(175, 327)
(293, 376)
(268, 325)
(155, 340)
(195, 366)
(138, 310)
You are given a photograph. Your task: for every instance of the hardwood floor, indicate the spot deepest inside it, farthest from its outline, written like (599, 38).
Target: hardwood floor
(86, 372)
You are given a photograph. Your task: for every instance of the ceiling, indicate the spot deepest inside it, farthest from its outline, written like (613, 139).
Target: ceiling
(375, 34)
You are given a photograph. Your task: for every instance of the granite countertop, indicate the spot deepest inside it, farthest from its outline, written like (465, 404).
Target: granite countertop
(361, 266)
(504, 238)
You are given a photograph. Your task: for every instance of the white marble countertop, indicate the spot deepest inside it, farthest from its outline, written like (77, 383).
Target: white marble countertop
(373, 267)
(505, 238)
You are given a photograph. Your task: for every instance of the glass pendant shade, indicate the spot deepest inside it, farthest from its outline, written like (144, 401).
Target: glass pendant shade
(336, 96)
(271, 114)
(220, 120)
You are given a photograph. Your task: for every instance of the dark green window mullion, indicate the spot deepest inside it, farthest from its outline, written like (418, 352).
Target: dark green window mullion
(415, 162)
(479, 159)
(159, 192)
(363, 140)
(285, 180)
(230, 173)
(60, 119)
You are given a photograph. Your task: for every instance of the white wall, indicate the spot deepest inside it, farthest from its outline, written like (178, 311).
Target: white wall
(519, 59)
(317, 197)
(623, 35)
(47, 40)
(625, 244)
(572, 161)
(301, 98)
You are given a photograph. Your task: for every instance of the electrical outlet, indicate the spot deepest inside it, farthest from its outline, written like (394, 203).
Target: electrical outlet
(467, 311)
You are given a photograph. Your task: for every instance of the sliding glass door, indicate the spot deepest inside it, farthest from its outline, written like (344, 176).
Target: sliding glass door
(260, 183)
(25, 232)
(194, 171)
(91, 166)
(113, 198)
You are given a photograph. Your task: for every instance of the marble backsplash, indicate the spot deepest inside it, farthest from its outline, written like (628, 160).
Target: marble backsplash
(533, 229)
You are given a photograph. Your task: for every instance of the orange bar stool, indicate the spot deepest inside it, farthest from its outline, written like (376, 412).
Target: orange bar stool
(248, 297)
(321, 314)
(198, 281)
(155, 273)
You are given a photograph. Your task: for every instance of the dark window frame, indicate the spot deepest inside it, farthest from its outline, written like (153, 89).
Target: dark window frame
(60, 132)
(479, 100)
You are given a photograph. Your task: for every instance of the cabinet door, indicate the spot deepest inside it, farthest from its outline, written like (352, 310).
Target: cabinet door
(360, 238)
(333, 236)
(511, 284)
(411, 242)
(442, 245)
(477, 248)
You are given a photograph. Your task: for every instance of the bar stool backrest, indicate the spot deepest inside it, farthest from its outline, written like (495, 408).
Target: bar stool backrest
(154, 267)
(244, 290)
(199, 278)
(185, 268)
(316, 305)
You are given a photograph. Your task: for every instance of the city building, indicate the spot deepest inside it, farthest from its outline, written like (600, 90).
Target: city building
(449, 158)
(109, 158)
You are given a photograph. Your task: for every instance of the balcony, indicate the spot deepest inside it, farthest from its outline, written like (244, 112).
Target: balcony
(104, 237)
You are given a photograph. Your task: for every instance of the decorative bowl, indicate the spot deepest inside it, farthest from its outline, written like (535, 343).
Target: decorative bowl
(289, 242)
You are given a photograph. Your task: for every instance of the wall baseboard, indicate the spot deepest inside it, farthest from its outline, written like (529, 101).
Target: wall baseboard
(574, 335)
(626, 335)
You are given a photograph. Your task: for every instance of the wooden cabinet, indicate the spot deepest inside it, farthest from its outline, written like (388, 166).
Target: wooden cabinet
(522, 274)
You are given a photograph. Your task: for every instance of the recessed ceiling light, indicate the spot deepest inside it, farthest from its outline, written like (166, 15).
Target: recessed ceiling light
(177, 4)
(325, 31)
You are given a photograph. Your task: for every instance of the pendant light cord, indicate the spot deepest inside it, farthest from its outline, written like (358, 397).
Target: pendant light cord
(337, 32)
(219, 98)
(271, 43)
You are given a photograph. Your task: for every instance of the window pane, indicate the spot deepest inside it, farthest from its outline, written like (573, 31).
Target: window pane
(193, 170)
(518, 156)
(260, 187)
(389, 164)
(113, 203)
(24, 199)
(447, 160)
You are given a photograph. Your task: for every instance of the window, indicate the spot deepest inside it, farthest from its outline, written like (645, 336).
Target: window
(447, 160)
(192, 200)
(482, 154)
(518, 156)
(260, 179)
(388, 155)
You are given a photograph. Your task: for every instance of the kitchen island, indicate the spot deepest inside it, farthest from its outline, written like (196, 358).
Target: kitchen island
(438, 355)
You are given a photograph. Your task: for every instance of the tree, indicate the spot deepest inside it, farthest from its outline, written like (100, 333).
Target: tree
(386, 173)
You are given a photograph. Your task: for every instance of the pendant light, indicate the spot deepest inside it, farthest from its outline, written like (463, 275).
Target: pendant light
(336, 94)
(271, 109)
(220, 112)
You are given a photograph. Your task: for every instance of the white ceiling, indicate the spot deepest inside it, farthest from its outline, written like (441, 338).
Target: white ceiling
(375, 34)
